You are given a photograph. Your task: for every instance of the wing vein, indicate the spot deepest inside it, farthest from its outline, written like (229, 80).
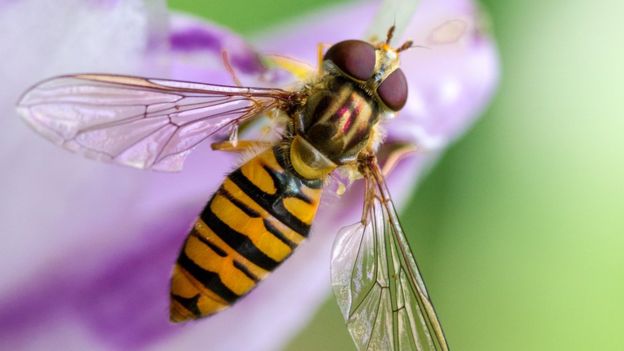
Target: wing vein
(104, 116)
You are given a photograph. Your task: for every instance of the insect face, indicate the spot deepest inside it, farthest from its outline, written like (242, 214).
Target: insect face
(376, 68)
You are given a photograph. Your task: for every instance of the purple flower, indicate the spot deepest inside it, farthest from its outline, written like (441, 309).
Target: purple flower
(87, 248)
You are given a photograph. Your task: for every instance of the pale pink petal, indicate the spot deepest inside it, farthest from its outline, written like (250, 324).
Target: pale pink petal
(89, 247)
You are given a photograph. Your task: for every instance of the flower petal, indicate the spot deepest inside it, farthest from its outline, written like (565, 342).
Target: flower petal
(192, 36)
(449, 83)
(123, 227)
(38, 41)
(94, 262)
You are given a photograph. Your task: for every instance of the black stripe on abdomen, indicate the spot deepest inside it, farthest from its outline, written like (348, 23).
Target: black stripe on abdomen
(189, 303)
(237, 241)
(209, 280)
(273, 203)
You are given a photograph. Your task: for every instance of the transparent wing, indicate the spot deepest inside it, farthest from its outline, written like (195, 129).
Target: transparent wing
(376, 281)
(138, 122)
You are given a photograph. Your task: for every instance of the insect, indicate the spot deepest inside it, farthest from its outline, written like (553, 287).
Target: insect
(264, 209)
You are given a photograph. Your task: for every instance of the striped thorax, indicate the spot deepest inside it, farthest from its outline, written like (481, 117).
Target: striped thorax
(343, 108)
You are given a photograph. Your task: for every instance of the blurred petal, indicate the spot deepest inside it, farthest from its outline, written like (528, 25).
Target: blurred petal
(38, 41)
(88, 247)
(196, 48)
(192, 36)
(449, 84)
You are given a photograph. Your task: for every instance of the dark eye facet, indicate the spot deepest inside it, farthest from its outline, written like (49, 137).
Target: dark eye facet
(393, 90)
(354, 57)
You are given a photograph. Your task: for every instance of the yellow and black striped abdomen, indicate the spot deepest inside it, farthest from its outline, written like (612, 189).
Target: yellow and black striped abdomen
(259, 215)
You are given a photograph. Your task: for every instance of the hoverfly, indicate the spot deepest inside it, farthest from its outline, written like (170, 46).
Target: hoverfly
(264, 209)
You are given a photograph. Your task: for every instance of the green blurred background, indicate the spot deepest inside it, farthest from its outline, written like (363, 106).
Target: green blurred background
(521, 224)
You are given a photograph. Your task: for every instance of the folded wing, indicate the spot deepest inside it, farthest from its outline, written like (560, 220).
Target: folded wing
(376, 281)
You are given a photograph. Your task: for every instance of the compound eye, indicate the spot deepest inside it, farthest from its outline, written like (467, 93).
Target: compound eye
(393, 90)
(354, 57)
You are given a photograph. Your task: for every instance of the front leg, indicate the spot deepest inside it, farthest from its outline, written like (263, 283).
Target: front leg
(240, 145)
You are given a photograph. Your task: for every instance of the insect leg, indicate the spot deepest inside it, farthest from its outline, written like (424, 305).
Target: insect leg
(320, 50)
(228, 66)
(298, 69)
(369, 198)
(240, 145)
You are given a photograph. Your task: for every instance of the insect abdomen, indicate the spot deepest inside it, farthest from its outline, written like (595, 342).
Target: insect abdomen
(259, 215)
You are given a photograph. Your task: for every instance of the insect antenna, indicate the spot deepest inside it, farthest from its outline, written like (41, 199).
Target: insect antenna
(407, 45)
(390, 34)
(410, 45)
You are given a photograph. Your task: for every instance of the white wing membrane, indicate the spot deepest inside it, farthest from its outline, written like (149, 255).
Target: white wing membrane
(138, 122)
(377, 283)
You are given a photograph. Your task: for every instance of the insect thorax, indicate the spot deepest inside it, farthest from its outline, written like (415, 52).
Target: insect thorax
(337, 119)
